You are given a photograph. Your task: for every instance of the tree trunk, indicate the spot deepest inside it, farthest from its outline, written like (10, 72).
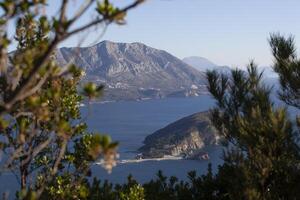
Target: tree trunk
(24, 173)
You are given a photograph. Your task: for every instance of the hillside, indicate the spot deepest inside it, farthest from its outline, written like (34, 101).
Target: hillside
(183, 137)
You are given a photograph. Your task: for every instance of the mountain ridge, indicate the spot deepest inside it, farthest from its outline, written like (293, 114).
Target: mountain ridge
(200, 63)
(133, 71)
(203, 64)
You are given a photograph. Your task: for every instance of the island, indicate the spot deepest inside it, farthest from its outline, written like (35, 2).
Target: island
(184, 138)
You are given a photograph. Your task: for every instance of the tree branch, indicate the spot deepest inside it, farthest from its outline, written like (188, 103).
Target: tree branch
(24, 85)
(108, 18)
(63, 9)
(81, 11)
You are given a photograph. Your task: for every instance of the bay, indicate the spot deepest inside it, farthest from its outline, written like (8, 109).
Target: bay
(130, 122)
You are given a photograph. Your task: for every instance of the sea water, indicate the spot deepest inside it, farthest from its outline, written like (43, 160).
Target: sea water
(130, 122)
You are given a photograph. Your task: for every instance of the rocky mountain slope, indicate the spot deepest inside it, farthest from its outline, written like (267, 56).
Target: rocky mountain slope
(183, 137)
(135, 71)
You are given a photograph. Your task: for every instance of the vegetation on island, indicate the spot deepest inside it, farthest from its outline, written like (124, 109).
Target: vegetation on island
(45, 142)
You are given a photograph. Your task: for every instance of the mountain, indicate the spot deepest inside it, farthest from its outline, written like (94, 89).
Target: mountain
(183, 137)
(200, 63)
(134, 70)
(268, 72)
(203, 64)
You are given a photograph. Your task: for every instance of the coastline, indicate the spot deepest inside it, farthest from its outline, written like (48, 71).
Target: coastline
(145, 160)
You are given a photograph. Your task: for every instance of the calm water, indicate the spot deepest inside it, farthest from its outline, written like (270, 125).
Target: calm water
(129, 123)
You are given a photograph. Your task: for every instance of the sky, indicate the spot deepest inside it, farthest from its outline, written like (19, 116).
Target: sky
(227, 32)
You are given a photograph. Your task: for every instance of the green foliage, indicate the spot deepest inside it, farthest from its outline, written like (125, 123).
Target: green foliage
(63, 187)
(45, 140)
(162, 188)
(91, 90)
(287, 65)
(135, 193)
(262, 156)
(106, 8)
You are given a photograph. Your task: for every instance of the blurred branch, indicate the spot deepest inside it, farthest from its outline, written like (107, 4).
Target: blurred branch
(108, 18)
(18, 94)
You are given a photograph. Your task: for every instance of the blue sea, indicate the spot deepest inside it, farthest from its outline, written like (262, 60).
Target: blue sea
(129, 122)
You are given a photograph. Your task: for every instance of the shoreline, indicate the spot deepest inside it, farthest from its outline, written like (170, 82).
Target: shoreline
(127, 161)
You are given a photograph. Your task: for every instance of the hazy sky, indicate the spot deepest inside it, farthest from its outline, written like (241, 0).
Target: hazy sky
(228, 32)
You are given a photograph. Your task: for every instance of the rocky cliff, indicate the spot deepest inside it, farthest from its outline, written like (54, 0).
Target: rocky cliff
(135, 71)
(184, 137)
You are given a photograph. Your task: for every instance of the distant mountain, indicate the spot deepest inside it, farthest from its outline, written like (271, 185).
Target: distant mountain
(203, 64)
(135, 71)
(200, 63)
(184, 137)
(268, 72)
